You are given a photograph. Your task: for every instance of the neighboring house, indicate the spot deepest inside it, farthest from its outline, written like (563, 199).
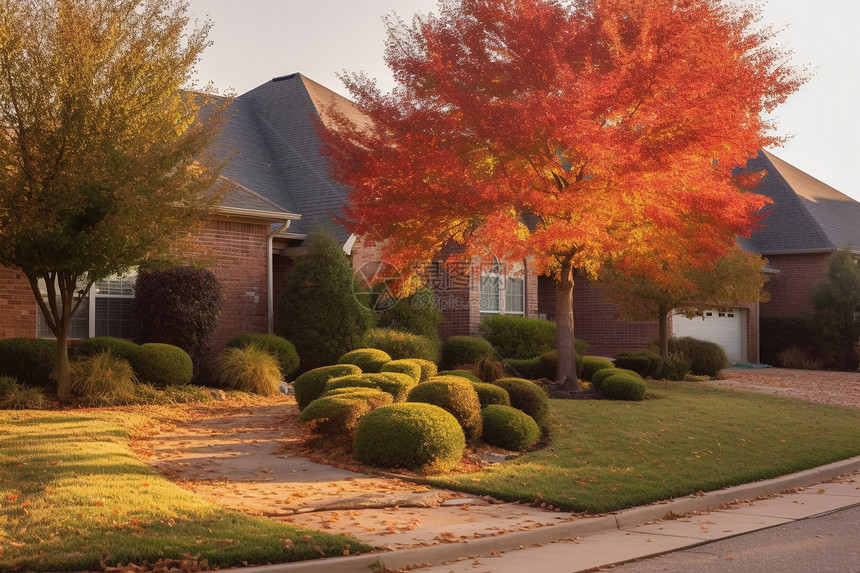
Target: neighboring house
(276, 187)
(807, 222)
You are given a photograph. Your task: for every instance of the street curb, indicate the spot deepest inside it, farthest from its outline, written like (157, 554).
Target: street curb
(437, 554)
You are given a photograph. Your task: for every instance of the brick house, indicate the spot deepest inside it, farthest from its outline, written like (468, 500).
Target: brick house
(808, 221)
(276, 188)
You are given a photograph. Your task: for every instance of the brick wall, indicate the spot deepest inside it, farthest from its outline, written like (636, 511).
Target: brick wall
(240, 253)
(18, 309)
(789, 290)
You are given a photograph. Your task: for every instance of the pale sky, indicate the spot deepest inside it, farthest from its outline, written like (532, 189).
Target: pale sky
(257, 40)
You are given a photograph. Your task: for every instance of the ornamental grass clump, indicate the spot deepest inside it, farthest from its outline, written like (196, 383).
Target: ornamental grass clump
(411, 435)
(706, 358)
(624, 387)
(311, 384)
(282, 349)
(250, 369)
(509, 428)
(102, 375)
(369, 360)
(24, 398)
(528, 397)
(455, 395)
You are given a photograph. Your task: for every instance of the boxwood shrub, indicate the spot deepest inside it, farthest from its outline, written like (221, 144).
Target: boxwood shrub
(31, 361)
(624, 387)
(528, 397)
(311, 384)
(645, 362)
(368, 359)
(528, 368)
(401, 344)
(509, 428)
(518, 337)
(374, 398)
(467, 374)
(398, 385)
(118, 347)
(676, 367)
(706, 358)
(335, 417)
(411, 435)
(404, 366)
(459, 350)
(428, 368)
(591, 364)
(455, 395)
(162, 365)
(491, 394)
(601, 375)
(280, 348)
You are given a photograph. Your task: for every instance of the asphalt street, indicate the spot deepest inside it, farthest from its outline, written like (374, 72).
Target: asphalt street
(829, 543)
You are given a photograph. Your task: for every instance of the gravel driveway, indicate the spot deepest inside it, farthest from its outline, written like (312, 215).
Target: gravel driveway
(823, 386)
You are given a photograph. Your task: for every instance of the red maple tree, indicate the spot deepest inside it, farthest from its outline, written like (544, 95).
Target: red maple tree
(555, 131)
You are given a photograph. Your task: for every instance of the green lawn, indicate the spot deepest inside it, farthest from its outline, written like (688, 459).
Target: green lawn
(73, 495)
(608, 455)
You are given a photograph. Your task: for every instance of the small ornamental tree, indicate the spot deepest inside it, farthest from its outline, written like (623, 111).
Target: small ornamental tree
(319, 310)
(553, 131)
(178, 306)
(837, 301)
(651, 288)
(100, 145)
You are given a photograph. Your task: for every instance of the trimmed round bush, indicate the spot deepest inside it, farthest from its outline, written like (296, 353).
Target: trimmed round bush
(624, 387)
(399, 344)
(428, 368)
(398, 385)
(374, 398)
(491, 394)
(311, 384)
(162, 365)
(406, 366)
(706, 358)
(528, 368)
(118, 347)
(459, 350)
(249, 369)
(598, 377)
(31, 361)
(455, 395)
(101, 375)
(368, 359)
(282, 349)
(462, 373)
(509, 428)
(644, 362)
(549, 361)
(591, 364)
(518, 337)
(528, 397)
(411, 435)
(335, 417)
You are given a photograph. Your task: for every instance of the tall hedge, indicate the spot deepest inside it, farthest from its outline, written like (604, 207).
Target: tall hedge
(518, 337)
(416, 313)
(320, 311)
(178, 306)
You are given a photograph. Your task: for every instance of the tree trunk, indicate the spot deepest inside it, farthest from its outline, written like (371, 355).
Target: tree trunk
(564, 324)
(64, 385)
(663, 330)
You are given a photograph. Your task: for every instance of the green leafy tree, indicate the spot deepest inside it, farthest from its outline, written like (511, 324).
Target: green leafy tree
(684, 287)
(322, 311)
(99, 147)
(837, 300)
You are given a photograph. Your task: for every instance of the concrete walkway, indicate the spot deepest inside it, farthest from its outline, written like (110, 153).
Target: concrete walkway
(589, 543)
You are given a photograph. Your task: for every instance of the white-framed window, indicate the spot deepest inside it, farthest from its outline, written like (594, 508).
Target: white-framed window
(502, 290)
(107, 310)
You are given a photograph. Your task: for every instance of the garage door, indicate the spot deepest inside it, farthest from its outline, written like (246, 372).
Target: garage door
(725, 328)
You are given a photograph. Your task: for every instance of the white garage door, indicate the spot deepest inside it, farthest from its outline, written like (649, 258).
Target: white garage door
(728, 329)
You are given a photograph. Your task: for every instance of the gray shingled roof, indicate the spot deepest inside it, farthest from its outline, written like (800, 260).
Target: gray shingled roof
(806, 216)
(272, 148)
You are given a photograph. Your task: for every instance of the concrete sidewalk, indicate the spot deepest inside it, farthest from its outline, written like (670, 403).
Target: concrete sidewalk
(587, 543)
